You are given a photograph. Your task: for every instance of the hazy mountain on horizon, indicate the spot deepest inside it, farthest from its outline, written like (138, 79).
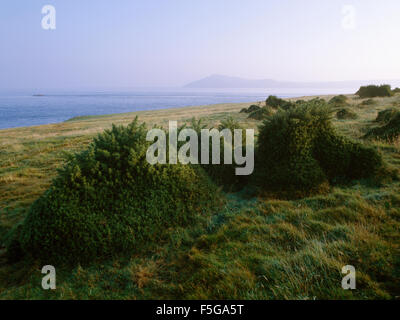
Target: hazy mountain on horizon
(217, 81)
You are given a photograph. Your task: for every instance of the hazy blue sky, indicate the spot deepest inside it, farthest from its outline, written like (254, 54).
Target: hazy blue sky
(127, 43)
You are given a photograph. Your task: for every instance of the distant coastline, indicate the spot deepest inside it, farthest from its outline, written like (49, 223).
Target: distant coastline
(27, 110)
(217, 81)
(173, 111)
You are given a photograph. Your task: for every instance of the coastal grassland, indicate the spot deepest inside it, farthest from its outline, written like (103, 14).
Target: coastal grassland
(253, 248)
(30, 156)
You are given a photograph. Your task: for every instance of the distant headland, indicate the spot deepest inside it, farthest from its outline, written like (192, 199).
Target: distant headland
(217, 81)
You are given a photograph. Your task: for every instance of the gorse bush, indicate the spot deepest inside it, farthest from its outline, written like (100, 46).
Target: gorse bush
(261, 113)
(13, 244)
(109, 200)
(390, 131)
(223, 175)
(276, 103)
(284, 163)
(250, 109)
(386, 115)
(253, 108)
(340, 100)
(321, 102)
(342, 159)
(374, 91)
(299, 153)
(345, 114)
(368, 102)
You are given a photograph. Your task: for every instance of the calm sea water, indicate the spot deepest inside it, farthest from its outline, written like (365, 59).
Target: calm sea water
(25, 109)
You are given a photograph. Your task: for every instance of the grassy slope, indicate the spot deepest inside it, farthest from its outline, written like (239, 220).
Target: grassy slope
(253, 249)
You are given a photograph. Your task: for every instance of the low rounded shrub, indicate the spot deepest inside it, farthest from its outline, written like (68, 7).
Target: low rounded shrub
(317, 100)
(13, 244)
(108, 200)
(340, 100)
(346, 114)
(386, 115)
(253, 108)
(342, 159)
(250, 109)
(223, 175)
(299, 153)
(372, 91)
(275, 102)
(389, 132)
(261, 114)
(368, 102)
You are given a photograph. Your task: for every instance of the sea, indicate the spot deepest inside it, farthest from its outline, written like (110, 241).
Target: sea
(21, 109)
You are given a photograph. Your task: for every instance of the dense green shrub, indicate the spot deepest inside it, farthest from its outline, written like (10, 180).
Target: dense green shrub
(261, 114)
(299, 153)
(368, 102)
(284, 162)
(223, 175)
(250, 109)
(387, 132)
(339, 101)
(109, 200)
(342, 159)
(253, 108)
(345, 113)
(374, 91)
(386, 115)
(276, 103)
(317, 100)
(13, 243)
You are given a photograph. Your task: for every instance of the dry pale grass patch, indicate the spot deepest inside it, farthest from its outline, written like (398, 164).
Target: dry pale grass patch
(142, 274)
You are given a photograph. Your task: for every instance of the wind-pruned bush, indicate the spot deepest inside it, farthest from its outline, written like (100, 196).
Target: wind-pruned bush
(368, 102)
(372, 91)
(338, 101)
(223, 175)
(250, 109)
(262, 113)
(346, 114)
(253, 108)
(316, 100)
(389, 132)
(299, 153)
(108, 200)
(386, 115)
(276, 103)
(13, 244)
(342, 159)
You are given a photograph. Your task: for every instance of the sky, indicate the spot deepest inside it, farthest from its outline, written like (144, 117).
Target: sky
(153, 43)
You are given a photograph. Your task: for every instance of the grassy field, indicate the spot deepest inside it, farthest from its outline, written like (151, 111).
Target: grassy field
(253, 248)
